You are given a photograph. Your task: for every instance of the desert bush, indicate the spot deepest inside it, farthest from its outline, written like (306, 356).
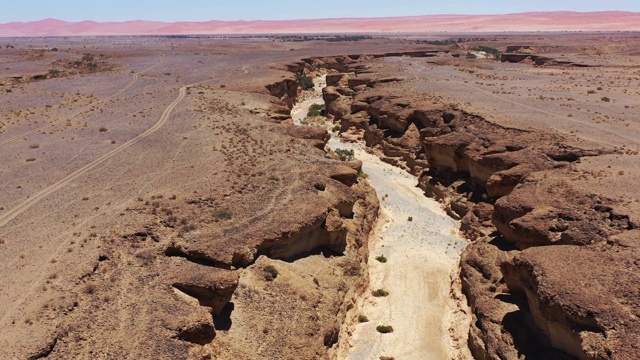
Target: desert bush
(380, 293)
(306, 82)
(336, 128)
(188, 228)
(223, 214)
(344, 154)
(90, 288)
(384, 329)
(605, 99)
(363, 318)
(410, 218)
(315, 110)
(103, 129)
(471, 55)
(381, 259)
(591, 92)
(270, 272)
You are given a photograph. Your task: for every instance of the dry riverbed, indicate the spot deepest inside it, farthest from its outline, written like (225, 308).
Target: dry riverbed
(420, 249)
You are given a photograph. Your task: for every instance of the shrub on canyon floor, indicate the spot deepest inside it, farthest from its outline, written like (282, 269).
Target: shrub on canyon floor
(306, 82)
(344, 154)
(381, 259)
(315, 110)
(380, 293)
(384, 329)
(363, 318)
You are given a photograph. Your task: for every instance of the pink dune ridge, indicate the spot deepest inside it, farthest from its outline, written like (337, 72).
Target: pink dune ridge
(532, 21)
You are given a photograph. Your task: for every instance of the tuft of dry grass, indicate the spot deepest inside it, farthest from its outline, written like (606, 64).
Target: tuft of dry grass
(90, 289)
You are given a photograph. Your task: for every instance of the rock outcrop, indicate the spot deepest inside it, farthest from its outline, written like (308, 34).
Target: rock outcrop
(595, 313)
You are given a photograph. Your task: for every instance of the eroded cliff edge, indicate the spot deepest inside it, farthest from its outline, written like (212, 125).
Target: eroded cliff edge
(261, 258)
(552, 271)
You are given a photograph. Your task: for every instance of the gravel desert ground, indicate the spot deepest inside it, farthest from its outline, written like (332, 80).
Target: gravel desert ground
(158, 202)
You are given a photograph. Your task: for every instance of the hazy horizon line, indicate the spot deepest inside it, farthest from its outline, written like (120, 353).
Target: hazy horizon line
(324, 18)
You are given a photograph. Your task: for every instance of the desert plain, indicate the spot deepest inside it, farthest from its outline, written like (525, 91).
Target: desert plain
(157, 200)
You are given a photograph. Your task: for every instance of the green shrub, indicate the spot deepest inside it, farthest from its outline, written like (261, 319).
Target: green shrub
(605, 99)
(410, 218)
(471, 55)
(316, 110)
(384, 329)
(380, 293)
(381, 259)
(306, 82)
(344, 154)
(363, 318)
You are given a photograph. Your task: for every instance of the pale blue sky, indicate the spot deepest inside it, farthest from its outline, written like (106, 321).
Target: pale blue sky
(202, 10)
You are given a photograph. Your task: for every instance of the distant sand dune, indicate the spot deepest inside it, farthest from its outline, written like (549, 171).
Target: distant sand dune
(533, 21)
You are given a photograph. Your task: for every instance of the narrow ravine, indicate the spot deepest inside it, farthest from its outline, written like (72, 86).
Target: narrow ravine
(422, 248)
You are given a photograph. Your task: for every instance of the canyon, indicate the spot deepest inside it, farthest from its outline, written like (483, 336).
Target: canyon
(175, 210)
